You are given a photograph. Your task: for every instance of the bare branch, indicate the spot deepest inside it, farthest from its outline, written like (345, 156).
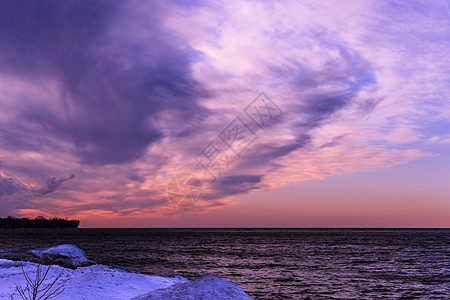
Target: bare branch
(35, 290)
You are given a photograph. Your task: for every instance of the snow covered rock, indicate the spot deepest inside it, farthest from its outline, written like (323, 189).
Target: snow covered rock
(68, 256)
(208, 287)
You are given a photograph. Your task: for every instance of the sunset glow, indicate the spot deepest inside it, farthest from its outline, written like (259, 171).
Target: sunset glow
(289, 114)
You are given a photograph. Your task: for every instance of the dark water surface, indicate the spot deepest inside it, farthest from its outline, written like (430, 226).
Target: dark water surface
(273, 263)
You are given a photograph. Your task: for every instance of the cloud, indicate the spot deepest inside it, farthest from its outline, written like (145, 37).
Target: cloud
(53, 184)
(233, 185)
(127, 94)
(14, 193)
(110, 85)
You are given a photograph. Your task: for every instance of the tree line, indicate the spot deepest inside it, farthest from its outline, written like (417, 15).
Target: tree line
(38, 222)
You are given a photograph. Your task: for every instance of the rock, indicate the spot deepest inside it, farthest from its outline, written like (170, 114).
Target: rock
(208, 287)
(68, 256)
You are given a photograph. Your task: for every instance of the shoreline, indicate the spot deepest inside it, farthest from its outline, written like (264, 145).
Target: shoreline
(88, 280)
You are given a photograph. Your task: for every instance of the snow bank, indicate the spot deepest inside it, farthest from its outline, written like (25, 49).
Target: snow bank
(68, 256)
(93, 282)
(107, 283)
(207, 288)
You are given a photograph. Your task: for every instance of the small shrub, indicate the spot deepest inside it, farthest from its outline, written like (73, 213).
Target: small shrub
(36, 289)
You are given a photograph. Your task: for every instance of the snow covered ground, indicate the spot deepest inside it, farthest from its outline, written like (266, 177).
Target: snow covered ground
(103, 282)
(93, 282)
(206, 287)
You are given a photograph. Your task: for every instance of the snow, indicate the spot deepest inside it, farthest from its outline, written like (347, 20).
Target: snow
(64, 255)
(207, 287)
(108, 283)
(92, 282)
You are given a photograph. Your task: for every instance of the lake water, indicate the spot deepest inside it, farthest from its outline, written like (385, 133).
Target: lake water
(273, 263)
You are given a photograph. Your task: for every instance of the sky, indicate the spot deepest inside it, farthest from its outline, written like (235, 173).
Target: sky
(226, 113)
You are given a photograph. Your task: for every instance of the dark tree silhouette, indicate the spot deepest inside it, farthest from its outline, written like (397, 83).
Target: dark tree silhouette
(38, 222)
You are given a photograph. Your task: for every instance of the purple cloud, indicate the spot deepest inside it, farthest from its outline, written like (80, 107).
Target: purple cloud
(126, 94)
(110, 90)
